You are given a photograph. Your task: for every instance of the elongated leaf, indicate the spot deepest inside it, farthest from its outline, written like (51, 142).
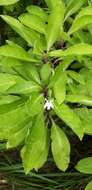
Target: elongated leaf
(73, 6)
(83, 18)
(38, 11)
(58, 71)
(60, 88)
(25, 87)
(79, 49)
(82, 99)
(19, 133)
(60, 147)
(76, 76)
(8, 62)
(28, 71)
(5, 2)
(11, 115)
(55, 23)
(35, 152)
(85, 115)
(15, 51)
(52, 4)
(8, 80)
(33, 22)
(89, 186)
(70, 118)
(6, 99)
(35, 104)
(27, 34)
(85, 165)
(45, 72)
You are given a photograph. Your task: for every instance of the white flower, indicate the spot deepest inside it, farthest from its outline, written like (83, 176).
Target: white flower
(48, 104)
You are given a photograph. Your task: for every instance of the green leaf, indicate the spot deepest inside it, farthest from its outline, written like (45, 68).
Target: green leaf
(70, 118)
(15, 51)
(5, 2)
(85, 165)
(38, 11)
(34, 153)
(25, 87)
(35, 104)
(8, 80)
(73, 6)
(53, 28)
(8, 62)
(33, 22)
(6, 99)
(60, 147)
(78, 98)
(66, 63)
(60, 88)
(75, 50)
(26, 33)
(89, 186)
(19, 133)
(52, 4)
(76, 76)
(56, 74)
(11, 115)
(85, 115)
(28, 71)
(83, 18)
(45, 72)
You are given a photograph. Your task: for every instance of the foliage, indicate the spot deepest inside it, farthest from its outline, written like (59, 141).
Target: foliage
(48, 77)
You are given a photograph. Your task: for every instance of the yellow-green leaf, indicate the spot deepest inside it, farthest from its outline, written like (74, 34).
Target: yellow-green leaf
(75, 50)
(83, 18)
(76, 76)
(60, 147)
(73, 6)
(78, 98)
(60, 88)
(35, 152)
(25, 87)
(55, 23)
(32, 21)
(6, 2)
(26, 33)
(85, 165)
(38, 11)
(15, 51)
(89, 186)
(70, 118)
(35, 104)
